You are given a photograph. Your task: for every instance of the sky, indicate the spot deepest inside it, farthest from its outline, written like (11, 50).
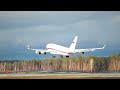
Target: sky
(37, 28)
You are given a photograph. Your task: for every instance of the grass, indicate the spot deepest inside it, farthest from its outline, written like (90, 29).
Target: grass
(63, 75)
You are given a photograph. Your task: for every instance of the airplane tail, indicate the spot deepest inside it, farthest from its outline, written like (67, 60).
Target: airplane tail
(72, 46)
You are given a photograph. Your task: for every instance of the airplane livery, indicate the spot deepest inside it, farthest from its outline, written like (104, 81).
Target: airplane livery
(55, 49)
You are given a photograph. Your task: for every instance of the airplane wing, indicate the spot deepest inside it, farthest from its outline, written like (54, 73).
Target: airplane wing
(43, 50)
(89, 49)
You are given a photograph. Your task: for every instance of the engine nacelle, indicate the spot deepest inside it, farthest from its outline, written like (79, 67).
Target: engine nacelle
(82, 52)
(40, 52)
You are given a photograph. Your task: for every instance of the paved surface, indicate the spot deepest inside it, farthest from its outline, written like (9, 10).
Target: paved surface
(61, 75)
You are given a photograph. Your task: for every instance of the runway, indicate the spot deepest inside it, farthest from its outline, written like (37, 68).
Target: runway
(61, 75)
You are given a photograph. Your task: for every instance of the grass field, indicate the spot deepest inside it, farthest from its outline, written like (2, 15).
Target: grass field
(62, 75)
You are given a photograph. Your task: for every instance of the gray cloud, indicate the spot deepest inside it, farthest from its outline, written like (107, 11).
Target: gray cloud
(34, 27)
(19, 19)
(37, 28)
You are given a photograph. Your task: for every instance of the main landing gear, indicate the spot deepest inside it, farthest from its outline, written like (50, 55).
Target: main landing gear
(54, 56)
(67, 56)
(61, 56)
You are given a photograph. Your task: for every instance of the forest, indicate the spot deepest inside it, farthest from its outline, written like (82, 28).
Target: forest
(72, 64)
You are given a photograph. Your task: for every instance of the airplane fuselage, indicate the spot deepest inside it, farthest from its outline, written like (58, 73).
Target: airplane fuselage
(58, 49)
(63, 51)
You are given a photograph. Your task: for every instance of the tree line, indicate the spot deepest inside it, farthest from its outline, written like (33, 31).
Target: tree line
(72, 64)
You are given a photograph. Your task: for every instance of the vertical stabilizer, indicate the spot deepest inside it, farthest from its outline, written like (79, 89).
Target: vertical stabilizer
(72, 46)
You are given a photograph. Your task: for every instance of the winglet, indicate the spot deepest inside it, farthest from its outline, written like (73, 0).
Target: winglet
(28, 47)
(104, 46)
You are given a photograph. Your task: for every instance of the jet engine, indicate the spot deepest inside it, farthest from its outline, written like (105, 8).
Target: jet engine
(83, 52)
(40, 52)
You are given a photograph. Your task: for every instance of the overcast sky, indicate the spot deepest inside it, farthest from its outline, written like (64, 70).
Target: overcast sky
(41, 27)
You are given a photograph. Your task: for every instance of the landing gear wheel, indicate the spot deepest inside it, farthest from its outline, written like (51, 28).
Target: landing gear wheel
(61, 56)
(53, 56)
(67, 56)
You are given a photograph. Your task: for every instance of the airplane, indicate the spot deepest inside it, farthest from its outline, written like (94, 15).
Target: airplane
(56, 49)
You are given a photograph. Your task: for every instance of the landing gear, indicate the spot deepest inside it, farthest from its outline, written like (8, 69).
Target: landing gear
(61, 56)
(67, 56)
(54, 56)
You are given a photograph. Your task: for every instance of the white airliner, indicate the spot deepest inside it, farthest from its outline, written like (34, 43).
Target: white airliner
(55, 49)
